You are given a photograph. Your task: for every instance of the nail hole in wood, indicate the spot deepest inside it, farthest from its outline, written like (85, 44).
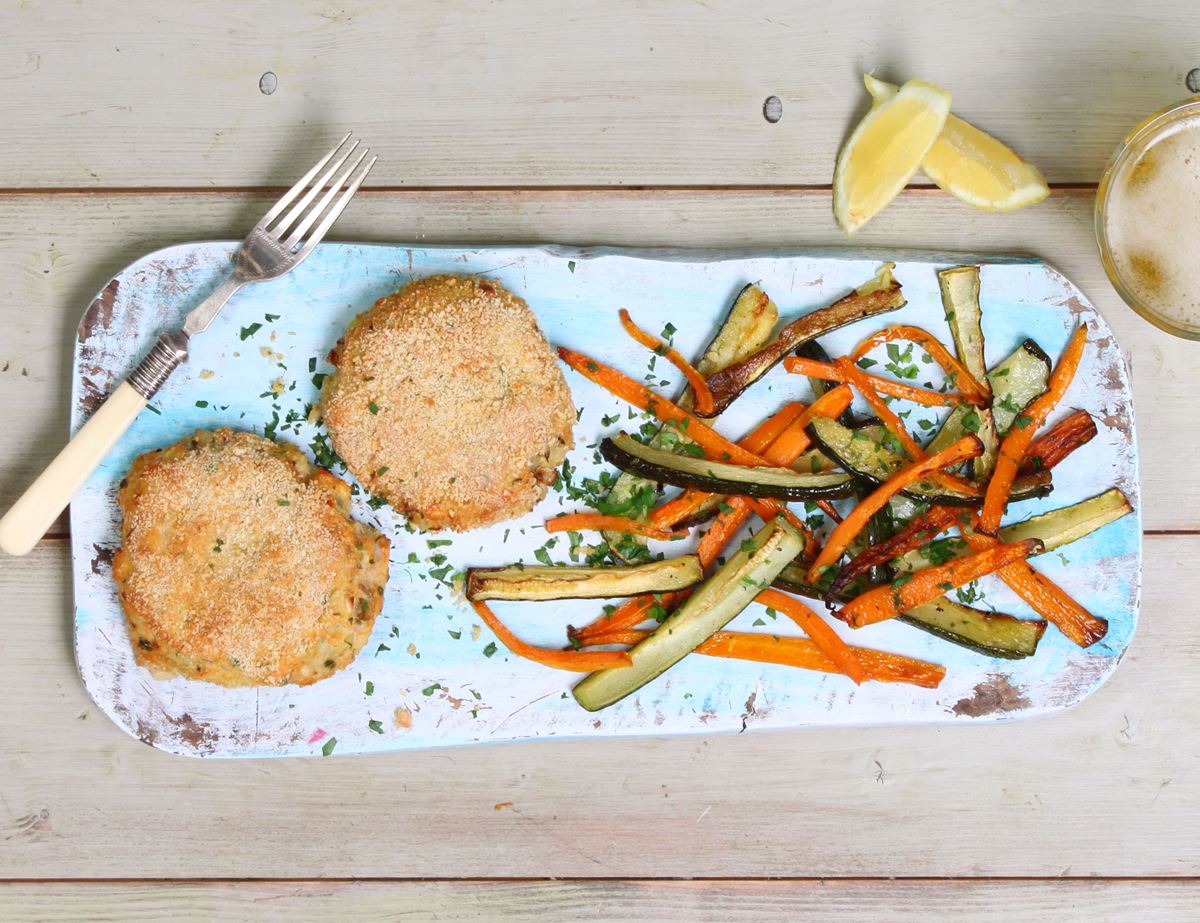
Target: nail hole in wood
(772, 109)
(267, 83)
(1193, 80)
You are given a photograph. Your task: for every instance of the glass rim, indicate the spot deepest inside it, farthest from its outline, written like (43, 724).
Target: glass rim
(1120, 156)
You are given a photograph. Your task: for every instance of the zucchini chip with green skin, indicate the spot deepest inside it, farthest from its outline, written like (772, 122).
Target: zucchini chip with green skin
(1055, 529)
(960, 300)
(993, 634)
(878, 296)
(867, 452)
(722, 477)
(710, 608)
(535, 582)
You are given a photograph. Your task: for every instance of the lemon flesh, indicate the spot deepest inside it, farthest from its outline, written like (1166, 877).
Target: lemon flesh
(972, 165)
(885, 150)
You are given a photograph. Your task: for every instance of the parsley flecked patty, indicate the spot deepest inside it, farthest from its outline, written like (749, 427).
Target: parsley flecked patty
(240, 564)
(448, 402)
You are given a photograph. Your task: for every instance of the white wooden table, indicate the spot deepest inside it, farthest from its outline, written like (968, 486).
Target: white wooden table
(618, 123)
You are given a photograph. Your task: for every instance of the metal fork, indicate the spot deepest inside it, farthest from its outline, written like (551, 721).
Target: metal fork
(287, 233)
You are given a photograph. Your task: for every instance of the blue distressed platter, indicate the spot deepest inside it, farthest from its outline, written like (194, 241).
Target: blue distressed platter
(430, 675)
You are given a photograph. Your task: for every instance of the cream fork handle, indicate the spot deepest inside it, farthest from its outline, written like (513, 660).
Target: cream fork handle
(36, 510)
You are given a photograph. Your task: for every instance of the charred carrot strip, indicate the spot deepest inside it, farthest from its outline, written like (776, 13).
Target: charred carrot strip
(680, 508)
(972, 388)
(1016, 443)
(885, 602)
(856, 377)
(1064, 437)
(703, 396)
(713, 443)
(581, 522)
(803, 653)
(1045, 597)
(964, 448)
(578, 661)
(918, 533)
(821, 632)
(826, 372)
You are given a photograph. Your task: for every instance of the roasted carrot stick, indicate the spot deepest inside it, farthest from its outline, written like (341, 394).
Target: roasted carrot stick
(918, 533)
(856, 377)
(703, 396)
(632, 612)
(579, 661)
(580, 522)
(961, 450)
(794, 440)
(971, 387)
(1064, 437)
(803, 653)
(821, 632)
(826, 372)
(1044, 596)
(685, 505)
(885, 602)
(1016, 443)
(713, 443)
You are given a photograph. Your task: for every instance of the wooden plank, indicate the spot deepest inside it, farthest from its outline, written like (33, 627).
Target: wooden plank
(647, 901)
(473, 93)
(1106, 789)
(57, 251)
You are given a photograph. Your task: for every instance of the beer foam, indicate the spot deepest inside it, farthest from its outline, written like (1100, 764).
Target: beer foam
(1153, 223)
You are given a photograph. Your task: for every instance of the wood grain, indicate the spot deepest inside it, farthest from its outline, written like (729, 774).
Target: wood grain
(57, 251)
(646, 901)
(622, 93)
(1106, 789)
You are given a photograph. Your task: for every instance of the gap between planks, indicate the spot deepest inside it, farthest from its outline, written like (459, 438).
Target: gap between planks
(642, 879)
(1057, 189)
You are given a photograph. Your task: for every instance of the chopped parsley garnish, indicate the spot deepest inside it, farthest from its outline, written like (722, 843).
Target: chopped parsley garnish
(375, 725)
(370, 688)
(201, 403)
(373, 407)
(571, 266)
(217, 547)
(970, 422)
(430, 690)
(1022, 421)
(332, 741)
(272, 317)
(282, 501)
(249, 331)
(490, 649)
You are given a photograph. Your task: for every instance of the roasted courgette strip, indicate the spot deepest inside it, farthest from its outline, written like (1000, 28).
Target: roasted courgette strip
(960, 301)
(721, 477)
(712, 606)
(865, 452)
(518, 581)
(880, 295)
(994, 634)
(1055, 529)
(747, 326)
(1015, 382)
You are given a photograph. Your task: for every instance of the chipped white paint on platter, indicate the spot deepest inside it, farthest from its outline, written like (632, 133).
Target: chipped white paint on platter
(431, 680)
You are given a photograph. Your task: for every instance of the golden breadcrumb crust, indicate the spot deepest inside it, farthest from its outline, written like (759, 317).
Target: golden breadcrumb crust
(240, 565)
(448, 402)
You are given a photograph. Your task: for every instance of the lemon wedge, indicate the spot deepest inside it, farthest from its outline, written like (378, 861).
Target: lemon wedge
(972, 165)
(885, 150)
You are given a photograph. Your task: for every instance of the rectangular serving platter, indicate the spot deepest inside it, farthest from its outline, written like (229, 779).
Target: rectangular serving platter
(431, 676)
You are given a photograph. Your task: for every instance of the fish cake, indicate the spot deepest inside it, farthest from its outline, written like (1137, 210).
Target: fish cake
(240, 564)
(448, 402)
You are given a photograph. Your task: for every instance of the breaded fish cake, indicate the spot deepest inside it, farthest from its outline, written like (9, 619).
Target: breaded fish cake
(240, 565)
(448, 402)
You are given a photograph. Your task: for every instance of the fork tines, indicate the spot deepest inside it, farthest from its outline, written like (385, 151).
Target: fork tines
(290, 230)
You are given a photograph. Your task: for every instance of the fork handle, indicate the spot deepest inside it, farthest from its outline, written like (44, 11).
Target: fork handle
(29, 518)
